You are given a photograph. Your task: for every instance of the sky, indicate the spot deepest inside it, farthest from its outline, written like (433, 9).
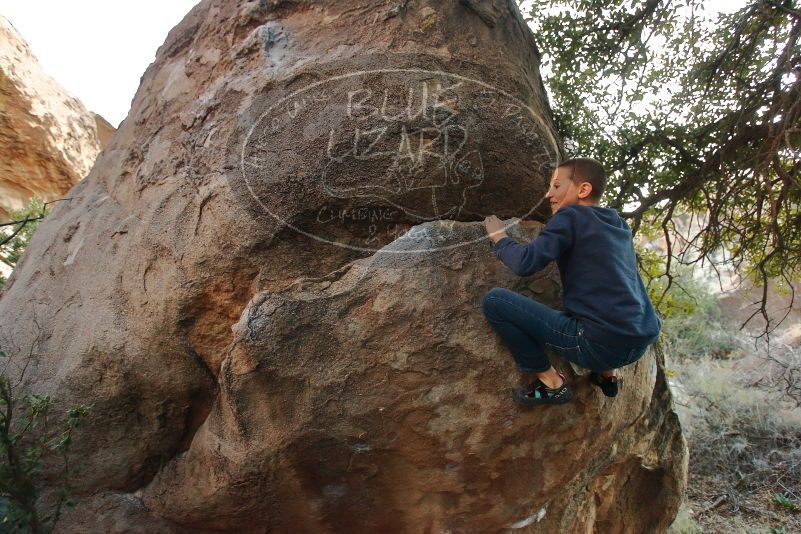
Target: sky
(98, 50)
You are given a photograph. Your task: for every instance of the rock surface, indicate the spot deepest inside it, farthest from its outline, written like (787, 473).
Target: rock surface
(745, 301)
(104, 130)
(269, 287)
(48, 140)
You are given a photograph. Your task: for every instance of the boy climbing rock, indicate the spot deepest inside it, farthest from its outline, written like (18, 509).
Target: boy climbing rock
(608, 321)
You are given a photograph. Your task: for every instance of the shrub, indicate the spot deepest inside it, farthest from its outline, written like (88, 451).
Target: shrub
(14, 238)
(738, 401)
(692, 319)
(28, 438)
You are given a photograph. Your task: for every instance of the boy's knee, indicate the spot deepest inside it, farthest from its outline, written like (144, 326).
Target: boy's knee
(494, 293)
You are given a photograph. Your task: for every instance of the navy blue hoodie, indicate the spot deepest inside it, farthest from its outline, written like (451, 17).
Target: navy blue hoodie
(593, 248)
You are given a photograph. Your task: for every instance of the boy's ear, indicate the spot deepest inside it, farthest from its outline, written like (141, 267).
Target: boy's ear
(585, 189)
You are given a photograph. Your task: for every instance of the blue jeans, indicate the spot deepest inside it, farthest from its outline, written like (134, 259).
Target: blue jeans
(527, 327)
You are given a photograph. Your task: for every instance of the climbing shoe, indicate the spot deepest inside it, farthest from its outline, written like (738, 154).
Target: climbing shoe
(608, 385)
(538, 393)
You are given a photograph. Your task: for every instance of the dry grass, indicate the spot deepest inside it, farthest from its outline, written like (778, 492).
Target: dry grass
(742, 418)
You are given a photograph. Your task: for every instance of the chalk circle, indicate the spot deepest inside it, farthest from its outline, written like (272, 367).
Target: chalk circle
(409, 234)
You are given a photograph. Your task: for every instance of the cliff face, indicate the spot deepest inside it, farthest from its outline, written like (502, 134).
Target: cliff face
(48, 140)
(269, 287)
(104, 130)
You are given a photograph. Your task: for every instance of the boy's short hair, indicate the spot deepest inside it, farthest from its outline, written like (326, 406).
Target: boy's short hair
(587, 170)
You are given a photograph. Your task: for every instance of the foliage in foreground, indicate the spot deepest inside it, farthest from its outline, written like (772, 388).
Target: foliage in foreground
(30, 438)
(16, 235)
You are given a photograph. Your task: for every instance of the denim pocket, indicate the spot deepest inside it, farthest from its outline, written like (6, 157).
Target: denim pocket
(635, 354)
(610, 357)
(571, 354)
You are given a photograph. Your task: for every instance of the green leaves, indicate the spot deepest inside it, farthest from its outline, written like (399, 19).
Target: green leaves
(690, 111)
(29, 439)
(786, 502)
(15, 237)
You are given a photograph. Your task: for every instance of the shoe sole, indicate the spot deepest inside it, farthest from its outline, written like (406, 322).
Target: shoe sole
(524, 400)
(599, 386)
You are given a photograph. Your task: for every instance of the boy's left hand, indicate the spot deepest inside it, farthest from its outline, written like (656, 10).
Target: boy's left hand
(495, 228)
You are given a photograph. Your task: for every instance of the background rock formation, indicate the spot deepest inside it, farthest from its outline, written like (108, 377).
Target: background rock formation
(739, 297)
(48, 140)
(269, 288)
(104, 130)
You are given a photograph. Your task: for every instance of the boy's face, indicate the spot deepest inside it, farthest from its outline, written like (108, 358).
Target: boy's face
(564, 192)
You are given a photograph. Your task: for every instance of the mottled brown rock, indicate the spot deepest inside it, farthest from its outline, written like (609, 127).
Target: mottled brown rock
(104, 130)
(48, 140)
(269, 286)
(395, 414)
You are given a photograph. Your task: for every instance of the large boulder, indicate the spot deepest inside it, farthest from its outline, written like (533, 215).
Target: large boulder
(48, 140)
(269, 289)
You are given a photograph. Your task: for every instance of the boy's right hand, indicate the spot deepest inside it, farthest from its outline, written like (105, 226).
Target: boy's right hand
(495, 227)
